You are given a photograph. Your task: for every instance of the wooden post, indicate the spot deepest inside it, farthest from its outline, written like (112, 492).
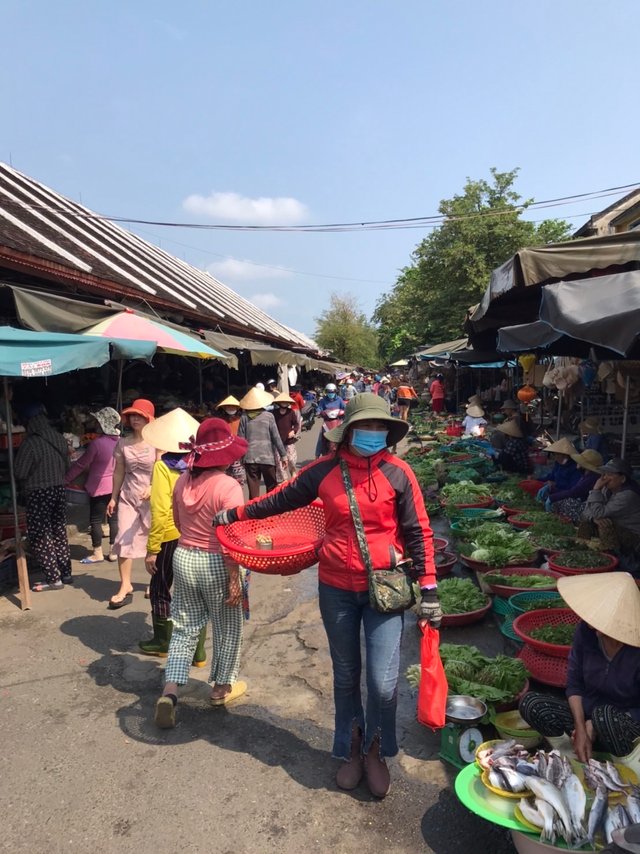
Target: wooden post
(21, 561)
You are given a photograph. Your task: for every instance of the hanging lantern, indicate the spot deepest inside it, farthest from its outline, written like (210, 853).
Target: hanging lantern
(527, 361)
(526, 394)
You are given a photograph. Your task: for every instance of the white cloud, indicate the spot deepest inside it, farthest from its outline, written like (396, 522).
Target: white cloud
(237, 270)
(232, 207)
(266, 301)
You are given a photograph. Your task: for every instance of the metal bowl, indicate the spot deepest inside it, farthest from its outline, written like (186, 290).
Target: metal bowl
(462, 709)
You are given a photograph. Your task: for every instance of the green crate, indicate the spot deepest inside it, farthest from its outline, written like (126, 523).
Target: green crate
(519, 599)
(507, 630)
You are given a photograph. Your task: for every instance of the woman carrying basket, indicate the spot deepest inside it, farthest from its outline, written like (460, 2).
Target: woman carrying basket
(375, 517)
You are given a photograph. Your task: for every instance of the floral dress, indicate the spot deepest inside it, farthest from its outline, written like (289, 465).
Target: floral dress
(134, 513)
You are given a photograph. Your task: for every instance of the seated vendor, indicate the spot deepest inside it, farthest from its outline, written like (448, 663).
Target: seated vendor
(602, 709)
(474, 422)
(563, 474)
(570, 502)
(514, 455)
(612, 512)
(592, 437)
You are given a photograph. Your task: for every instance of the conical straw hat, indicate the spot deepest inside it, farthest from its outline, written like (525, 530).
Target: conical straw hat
(474, 400)
(166, 432)
(562, 446)
(256, 399)
(228, 401)
(510, 428)
(283, 397)
(588, 459)
(475, 411)
(608, 601)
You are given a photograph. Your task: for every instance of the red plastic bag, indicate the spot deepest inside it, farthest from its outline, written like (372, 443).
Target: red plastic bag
(432, 694)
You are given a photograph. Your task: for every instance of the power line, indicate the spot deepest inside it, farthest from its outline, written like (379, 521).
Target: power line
(372, 225)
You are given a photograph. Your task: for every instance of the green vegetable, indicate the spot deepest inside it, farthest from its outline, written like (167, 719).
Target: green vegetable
(581, 559)
(538, 604)
(514, 580)
(465, 492)
(499, 545)
(561, 635)
(552, 542)
(460, 595)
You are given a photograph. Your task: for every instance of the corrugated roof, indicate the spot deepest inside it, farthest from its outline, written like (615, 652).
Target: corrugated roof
(38, 222)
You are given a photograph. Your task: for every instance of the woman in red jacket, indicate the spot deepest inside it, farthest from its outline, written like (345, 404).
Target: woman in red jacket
(396, 525)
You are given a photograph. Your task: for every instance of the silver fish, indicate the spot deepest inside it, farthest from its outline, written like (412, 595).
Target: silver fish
(532, 812)
(613, 772)
(548, 818)
(546, 791)
(633, 808)
(503, 747)
(541, 756)
(576, 799)
(600, 773)
(515, 782)
(597, 812)
(496, 779)
(527, 769)
(615, 819)
(555, 769)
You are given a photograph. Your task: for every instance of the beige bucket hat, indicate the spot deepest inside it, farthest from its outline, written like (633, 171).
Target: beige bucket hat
(256, 398)
(166, 432)
(510, 428)
(608, 601)
(590, 460)
(562, 446)
(228, 401)
(364, 407)
(475, 411)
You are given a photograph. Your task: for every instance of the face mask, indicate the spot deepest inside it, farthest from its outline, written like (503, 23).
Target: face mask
(331, 395)
(230, 411)
(283, 409)
(369, 442)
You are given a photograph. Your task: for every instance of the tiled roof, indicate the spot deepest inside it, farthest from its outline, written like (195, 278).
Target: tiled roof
(36, 221)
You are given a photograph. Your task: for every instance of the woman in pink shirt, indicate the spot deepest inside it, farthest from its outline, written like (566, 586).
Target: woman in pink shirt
(206, 583)
(98, 460)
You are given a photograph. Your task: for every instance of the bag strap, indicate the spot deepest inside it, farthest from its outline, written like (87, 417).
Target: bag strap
(357, 518)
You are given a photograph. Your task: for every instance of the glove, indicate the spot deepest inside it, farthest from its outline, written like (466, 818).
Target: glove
(542, 494)
(225, 517)
(430, 609)
(548, 505)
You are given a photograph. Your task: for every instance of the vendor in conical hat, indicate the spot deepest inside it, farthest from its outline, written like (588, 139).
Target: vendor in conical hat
(570, 503)
(229, 410)
(563, 474)
(602, 709)
(592, 437)
(474, 421)
(265, 450)
(514, 455)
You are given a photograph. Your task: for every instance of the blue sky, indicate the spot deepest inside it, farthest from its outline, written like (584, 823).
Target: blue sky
(346, 110)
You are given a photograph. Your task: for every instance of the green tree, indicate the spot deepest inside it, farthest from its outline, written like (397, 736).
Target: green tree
(451, 267)
(344, 330)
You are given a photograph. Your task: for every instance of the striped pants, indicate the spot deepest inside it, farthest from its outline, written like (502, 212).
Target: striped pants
(200, 586)
(550, 716)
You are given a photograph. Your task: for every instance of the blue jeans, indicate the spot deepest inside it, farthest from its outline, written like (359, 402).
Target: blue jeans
(343, 611)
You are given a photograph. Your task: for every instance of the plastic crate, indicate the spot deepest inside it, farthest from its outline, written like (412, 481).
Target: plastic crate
(518, 600)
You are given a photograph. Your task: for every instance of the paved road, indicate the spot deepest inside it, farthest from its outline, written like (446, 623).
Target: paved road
(83, 769)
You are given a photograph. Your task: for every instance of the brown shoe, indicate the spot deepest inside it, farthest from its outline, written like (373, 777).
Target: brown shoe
(378, 778)
(350, 773)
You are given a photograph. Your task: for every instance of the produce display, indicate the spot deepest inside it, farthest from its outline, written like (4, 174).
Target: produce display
(561, 635)
(529, 581)
(552, 542)
(544, 523)
(465, 492)
(460, 596)
(555, 793)
(509, 493)
(581, 558)
(539, 604)
(499, 545)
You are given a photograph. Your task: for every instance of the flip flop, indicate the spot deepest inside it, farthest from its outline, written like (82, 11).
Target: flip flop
(88, 560)
(237, 690)
(126, 599)
(42, 587)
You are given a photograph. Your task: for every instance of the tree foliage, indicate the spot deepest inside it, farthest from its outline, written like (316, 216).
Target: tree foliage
(451, 267)
(344, 330)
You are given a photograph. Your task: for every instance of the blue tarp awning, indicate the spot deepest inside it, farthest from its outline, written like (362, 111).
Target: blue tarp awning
(41, 354)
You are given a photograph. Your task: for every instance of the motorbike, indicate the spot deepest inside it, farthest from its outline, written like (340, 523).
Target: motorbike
(330, 418)
(308, 415)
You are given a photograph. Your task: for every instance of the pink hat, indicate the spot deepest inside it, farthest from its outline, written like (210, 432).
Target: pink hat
(140, 407)
(214, 445)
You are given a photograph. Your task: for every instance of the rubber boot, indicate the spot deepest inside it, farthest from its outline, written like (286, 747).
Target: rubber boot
(350, 773)
(159, 643)
(200, 655)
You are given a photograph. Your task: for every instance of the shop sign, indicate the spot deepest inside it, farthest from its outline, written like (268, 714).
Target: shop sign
(43, 368)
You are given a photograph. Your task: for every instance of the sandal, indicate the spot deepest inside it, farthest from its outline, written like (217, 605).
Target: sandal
(43, 586)
(126, 599)
(237, 690)
(90, 560)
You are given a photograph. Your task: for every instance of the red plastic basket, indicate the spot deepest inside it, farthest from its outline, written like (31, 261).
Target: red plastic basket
(296, 537)
(449, 620)
(440, 544)
(577, 570)
(531, 487)
(506, 591)
(525, 623)
(517, 523)
(547, 669)
(448, 562)
(481, 502)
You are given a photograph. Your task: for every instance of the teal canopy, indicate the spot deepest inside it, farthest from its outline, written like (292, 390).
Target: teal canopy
(43, 354)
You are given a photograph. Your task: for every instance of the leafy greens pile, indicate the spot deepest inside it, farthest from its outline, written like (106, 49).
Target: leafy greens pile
(460, 595)
(561, 635)
(499, 545)
(529, 581)
(581, 559)
(465, 492)
(468, 671)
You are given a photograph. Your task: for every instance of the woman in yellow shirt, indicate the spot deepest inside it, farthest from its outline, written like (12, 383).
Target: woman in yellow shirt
(166, 434)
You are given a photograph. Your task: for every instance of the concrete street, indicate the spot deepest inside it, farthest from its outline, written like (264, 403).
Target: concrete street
(84, 769)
